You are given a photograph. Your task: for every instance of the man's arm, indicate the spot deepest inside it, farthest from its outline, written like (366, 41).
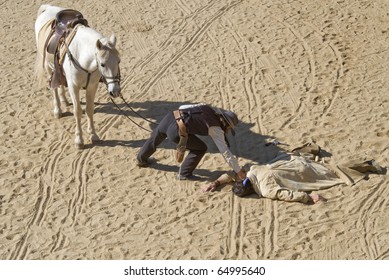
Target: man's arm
(217, 135)
(292, 196)
(223, 179)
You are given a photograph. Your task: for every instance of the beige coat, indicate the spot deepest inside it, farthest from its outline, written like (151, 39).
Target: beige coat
(289, 176)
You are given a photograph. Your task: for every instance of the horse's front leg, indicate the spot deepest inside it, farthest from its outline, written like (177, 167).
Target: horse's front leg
(90, 108)
(77, 111)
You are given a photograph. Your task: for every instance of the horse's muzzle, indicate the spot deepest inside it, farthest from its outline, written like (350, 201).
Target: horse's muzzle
(114, 94)
(114, 89)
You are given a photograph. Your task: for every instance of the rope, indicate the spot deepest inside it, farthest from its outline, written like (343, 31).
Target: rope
(138, 125)
(136, 113)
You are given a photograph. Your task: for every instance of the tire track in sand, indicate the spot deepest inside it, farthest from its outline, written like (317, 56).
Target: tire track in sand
(309, 86)
(46, 184)
(250, 72)
(324, 45)
(237, 224)
(78, 200)
(369, 218)
(339, 71)
(186, 47)
(238, 211)
(254, 67)
(235, 234)
(163, 47)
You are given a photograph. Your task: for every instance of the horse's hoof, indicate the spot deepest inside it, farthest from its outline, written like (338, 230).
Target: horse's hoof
(95, 139)
(80, 146)
(79, 143)
(57, 114)
(65, 103)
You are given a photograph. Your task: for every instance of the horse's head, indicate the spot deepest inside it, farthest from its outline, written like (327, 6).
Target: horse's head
(108, 64)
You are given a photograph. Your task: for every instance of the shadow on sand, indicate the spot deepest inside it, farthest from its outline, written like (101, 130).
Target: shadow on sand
(246, 144)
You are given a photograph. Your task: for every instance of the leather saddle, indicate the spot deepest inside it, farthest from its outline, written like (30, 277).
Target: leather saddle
(65, 21)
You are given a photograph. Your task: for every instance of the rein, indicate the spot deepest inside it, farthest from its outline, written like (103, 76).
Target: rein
(138, 125)
(136, 113)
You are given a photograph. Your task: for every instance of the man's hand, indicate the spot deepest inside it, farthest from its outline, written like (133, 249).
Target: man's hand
(316, 198)
(242, 174)
(211, 187)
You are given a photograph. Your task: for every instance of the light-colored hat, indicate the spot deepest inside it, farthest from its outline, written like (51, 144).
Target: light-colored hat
(230, 117)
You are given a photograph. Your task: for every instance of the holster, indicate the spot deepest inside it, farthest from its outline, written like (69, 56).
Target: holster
(183, 132)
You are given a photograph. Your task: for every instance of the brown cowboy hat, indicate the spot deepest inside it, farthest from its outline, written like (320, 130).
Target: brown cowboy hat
(243, 188)
(230, 117)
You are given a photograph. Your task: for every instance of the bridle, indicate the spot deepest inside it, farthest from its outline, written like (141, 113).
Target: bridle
(110, 80)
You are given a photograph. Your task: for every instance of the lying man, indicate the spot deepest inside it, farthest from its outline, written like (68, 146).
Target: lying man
(292, 176)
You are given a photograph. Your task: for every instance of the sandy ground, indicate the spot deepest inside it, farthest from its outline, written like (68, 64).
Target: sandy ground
(296, 71)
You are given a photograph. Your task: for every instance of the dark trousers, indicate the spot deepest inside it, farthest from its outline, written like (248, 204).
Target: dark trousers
(168, 128)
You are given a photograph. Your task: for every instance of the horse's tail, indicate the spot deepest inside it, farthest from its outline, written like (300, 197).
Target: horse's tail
(41, 55)
(40, 71)
(39, 61)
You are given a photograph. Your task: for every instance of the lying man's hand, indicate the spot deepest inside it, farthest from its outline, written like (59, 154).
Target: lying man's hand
(211, 187)
(316, 198)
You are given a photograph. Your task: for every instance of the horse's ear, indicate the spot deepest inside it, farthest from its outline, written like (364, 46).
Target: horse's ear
(99, 45)
(112, 39)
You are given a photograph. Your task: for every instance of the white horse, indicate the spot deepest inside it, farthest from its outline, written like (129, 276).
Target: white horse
(94, 57)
